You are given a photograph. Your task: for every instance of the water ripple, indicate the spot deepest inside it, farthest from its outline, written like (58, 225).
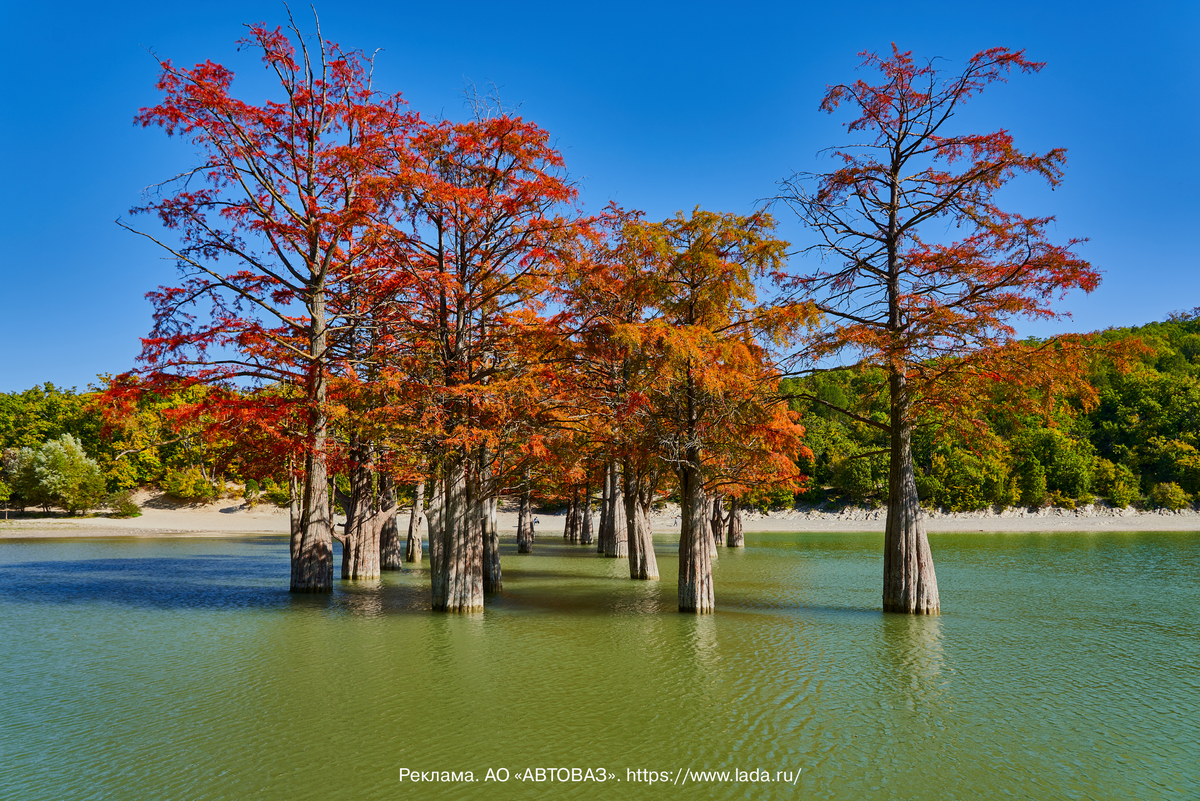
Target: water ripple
(1065, 667)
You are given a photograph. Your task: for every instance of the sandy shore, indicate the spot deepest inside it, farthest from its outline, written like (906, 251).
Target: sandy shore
(164, 518)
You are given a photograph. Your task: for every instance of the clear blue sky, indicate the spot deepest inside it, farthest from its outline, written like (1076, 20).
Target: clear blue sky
(659, 106)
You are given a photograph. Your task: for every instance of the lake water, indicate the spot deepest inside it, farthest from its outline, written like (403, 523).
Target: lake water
(1064, 666)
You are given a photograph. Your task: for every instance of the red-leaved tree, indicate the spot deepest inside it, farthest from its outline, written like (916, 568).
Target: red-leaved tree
(272, 229)
(935, 311)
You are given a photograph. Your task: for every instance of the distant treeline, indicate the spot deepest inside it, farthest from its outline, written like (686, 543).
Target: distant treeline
(1134, 442)
(1137, 443)
(142, 446)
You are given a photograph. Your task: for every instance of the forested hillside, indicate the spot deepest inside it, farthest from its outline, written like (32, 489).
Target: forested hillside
(1134, 442)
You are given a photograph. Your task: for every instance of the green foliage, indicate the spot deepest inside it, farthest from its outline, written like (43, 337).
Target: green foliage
(1116, 482)
(1061, 501)
(57, 473)
(189, 485)
(959, 480)
(280, 495)
(1169, 495)
(764, 500)
(1067, 462)
(122, 505)
(32, 417)
(343, 483)
(251, 493)
(1031, 482)
(859, 478)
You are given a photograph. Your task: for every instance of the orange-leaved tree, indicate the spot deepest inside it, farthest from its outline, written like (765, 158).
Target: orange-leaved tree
(935, 311)
(483, 226)
(271, 229)
(710, 388)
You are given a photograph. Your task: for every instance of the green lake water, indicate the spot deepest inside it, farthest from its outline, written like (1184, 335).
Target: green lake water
(1064, 666)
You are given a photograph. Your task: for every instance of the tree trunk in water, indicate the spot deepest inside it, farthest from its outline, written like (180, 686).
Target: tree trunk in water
(437, 535)
(695, 556)
(391, 551)
(525, 522)
(312, 563)
(295, 513)
(642, 564)
(459, 586)
(617, 546)
(576, 510)
(909, 581)
(490, 529)
(585, 511)
(312, 555)
(718, 521)
(705, 512)
(568, 524)
(735, 538)
(364, 562)
(416, 523)
(360, 546)
(605, 530)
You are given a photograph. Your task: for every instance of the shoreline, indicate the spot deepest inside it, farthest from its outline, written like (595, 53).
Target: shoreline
(228, 518)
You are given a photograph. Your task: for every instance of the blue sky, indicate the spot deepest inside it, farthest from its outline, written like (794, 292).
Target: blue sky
(659, 106)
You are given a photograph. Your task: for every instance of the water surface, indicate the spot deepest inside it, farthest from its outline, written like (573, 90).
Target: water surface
(1064, 666)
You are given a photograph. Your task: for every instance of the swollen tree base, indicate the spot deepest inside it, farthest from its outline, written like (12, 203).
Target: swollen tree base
(456, 542)
(312, 533)
(909, 580)
(695, 557)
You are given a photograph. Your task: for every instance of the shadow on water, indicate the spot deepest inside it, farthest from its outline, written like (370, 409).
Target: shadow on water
(252, 574)
(198, 582)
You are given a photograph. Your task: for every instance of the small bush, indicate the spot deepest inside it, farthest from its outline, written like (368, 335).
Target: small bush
(1122, 495)
(122, 505)
(280, 495)
(189, 485)
(1061, 501)
(1169, 495)
(251, 493)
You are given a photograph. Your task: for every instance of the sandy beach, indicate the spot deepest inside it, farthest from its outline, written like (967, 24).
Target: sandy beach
(162, 517)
